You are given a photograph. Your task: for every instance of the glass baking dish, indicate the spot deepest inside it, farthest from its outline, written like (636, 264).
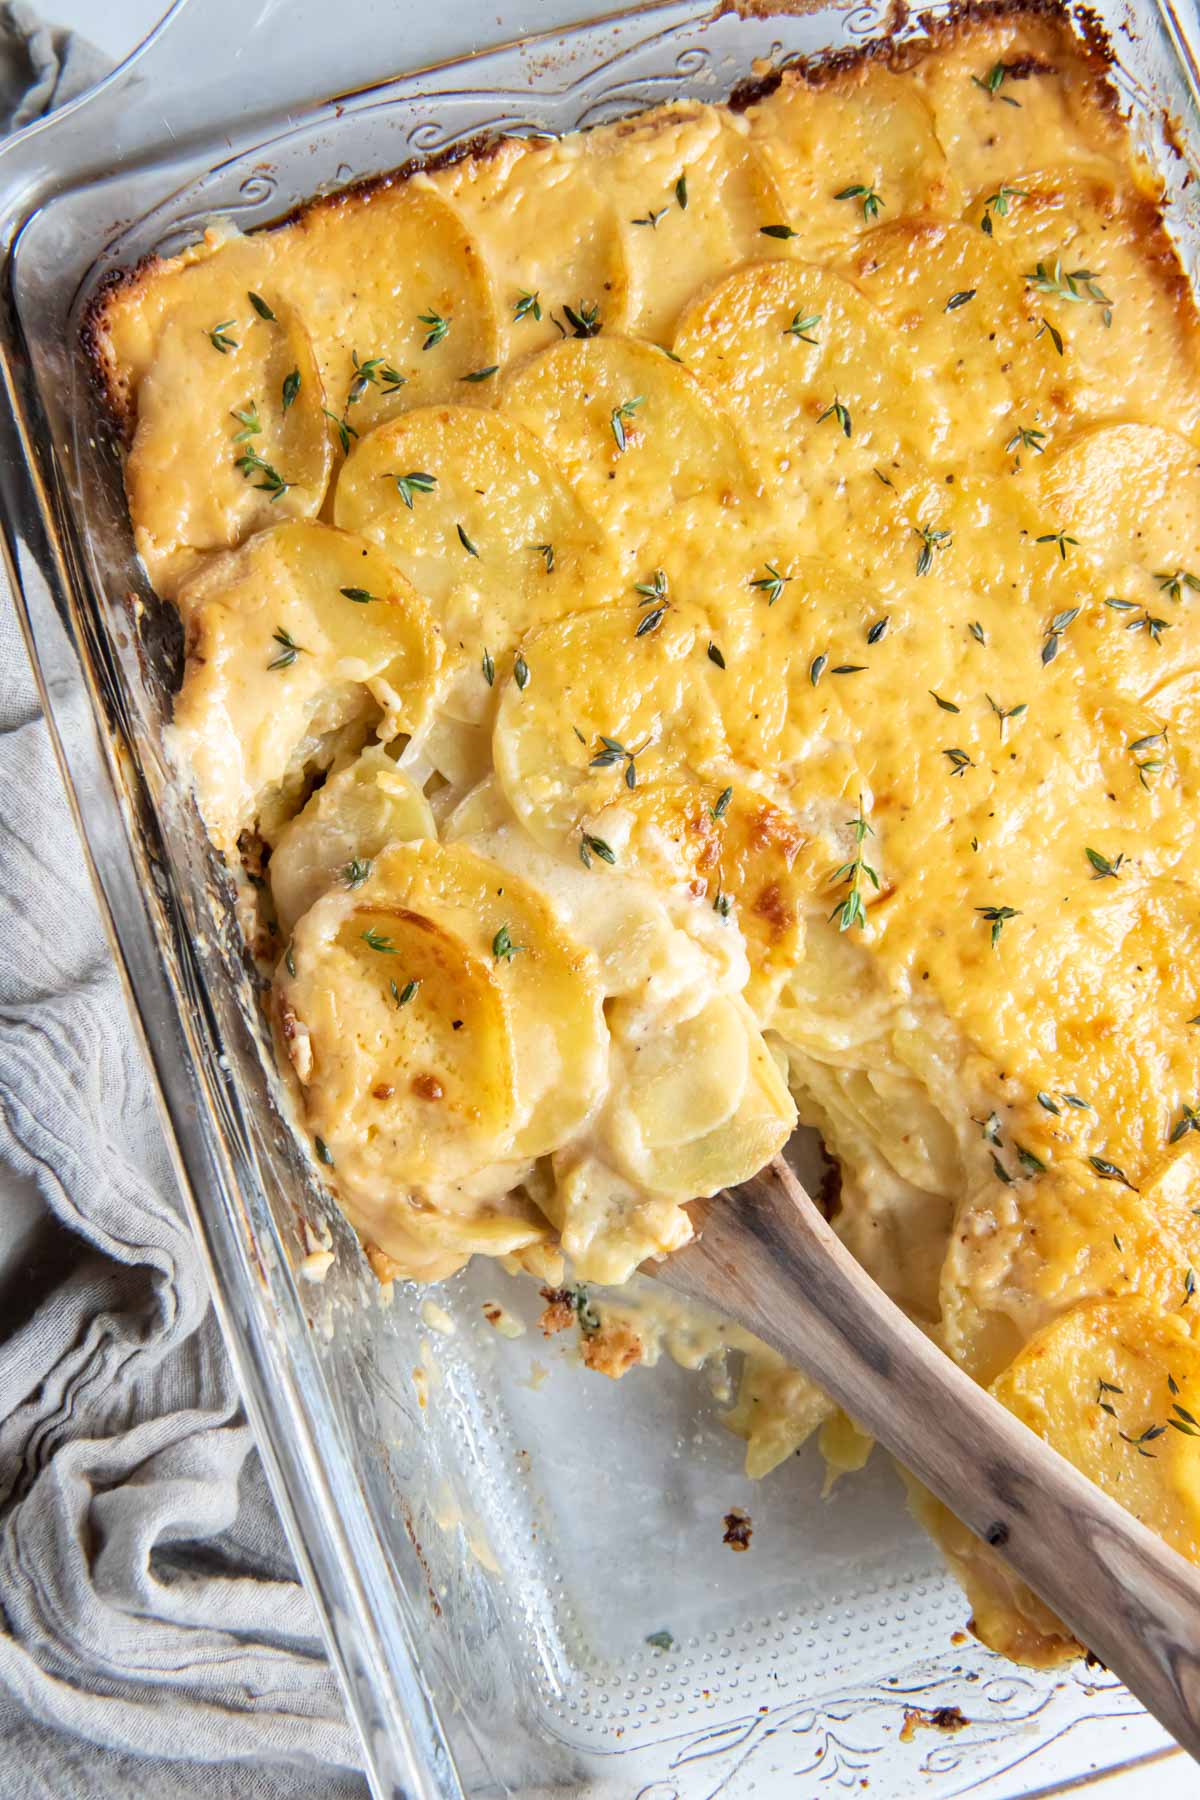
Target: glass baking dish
(490, 1533)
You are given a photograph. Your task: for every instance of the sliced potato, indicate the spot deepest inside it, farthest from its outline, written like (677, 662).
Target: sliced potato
(1130, 496)
(219, 452)
(860, 128)
(607, 1224)
(356, 813)
(535, 552)
(969, 325)
(496, 1054)
(676, 235)
(279, 657)
(549, 233)
(636, 435)
(1130, 340)
(592, 677)
(679, 1083)
(1098, 1379)
(781, 344)
(395, 279)
(734, 1146)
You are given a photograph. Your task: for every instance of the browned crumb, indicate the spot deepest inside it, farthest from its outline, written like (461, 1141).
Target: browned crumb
(492, 1313)
(613, 1350)
(383, 1090)
(382, 1266)
(559, 1314)
(942, 1718)
(427, 1087)
(737, 1529)
(957, 1638)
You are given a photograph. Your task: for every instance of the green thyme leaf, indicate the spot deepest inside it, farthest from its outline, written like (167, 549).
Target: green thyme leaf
(776, 231)
(878, 631)
(835, 410)
(527, 306)
(521, 671)
(324, 1153)
(1102, 866)
(360, 596)
(931, 540)
(619, 415)
(503, 948)
(1108, 1171)
(439, 328)
(681, 192)
(247, 417)
(771, 584)
(291, 388)
(289, 649)
(488, 667)
(802, 327)
(716, 656)
(590, 846)
(584, 320)
(871, 201)
(997, 917)
(377, 940)
(465, 541)
(356, 871)
(260, 306)
(219, 337)
(481, 374)
(959, 299)
(415, 482)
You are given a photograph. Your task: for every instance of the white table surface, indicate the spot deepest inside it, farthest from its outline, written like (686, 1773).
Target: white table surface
(117, 26)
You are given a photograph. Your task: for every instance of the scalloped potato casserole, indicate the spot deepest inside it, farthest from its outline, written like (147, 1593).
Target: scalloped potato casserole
(696, 625)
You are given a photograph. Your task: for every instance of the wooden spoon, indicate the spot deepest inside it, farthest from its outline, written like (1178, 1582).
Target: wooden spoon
(766, 1258)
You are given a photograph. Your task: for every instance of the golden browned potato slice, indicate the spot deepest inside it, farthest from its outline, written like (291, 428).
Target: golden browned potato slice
(392, 287)
(230, 435)
(1099, 266)
(850, 150)
(693, 192)
(637, 437)
(1008, 87)
(593, 683)
(969, 327)
(549, 233)
(784, 346)
(1114, 1386)
(451, 983)
(289, 639)
(482, 523)
(357, 811)
(1129, 496)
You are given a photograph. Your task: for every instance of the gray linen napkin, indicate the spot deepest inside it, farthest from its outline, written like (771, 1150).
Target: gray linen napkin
(148, 1605)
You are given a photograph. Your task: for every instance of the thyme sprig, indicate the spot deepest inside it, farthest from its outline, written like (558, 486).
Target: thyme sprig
(527, 306)
(415, 482)
(1078, 286)
(503, 948)
(872, 200)
(1146, 622)
(1172, 583)
(997, 917)
(772, 583)
(931, 540)
(1060, 537)
(837, 410)
(590, 845)
(850, 911)
(802, 326)
(619, 415)
(373, 371)
(996, 205)
(439, 328)
(219, 337)
(1104, 869)
(583, 319)
(289, 649)
(992, 82)
(1054, 632)
(250, 463)
(615, 752)
(247, 417)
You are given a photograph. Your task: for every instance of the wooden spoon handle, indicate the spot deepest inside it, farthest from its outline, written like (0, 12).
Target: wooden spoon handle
(767, 1258)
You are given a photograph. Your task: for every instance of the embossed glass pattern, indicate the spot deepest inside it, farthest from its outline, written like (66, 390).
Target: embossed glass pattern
(492, 1565)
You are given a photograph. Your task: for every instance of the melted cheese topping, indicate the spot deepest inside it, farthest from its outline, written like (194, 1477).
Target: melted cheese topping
(742, 591)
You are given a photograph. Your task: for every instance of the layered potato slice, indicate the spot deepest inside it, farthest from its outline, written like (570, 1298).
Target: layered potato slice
(595, 676)
(637, 437)
(230, 438)
(481, 521)
(391, 285)
(863, 128)
(301, 632)
(358, 810)
(969, 326)
(1098, 264)
(783, 345)
(693, 192)
(550, 234)
(442, 1023)
(1008, 86)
